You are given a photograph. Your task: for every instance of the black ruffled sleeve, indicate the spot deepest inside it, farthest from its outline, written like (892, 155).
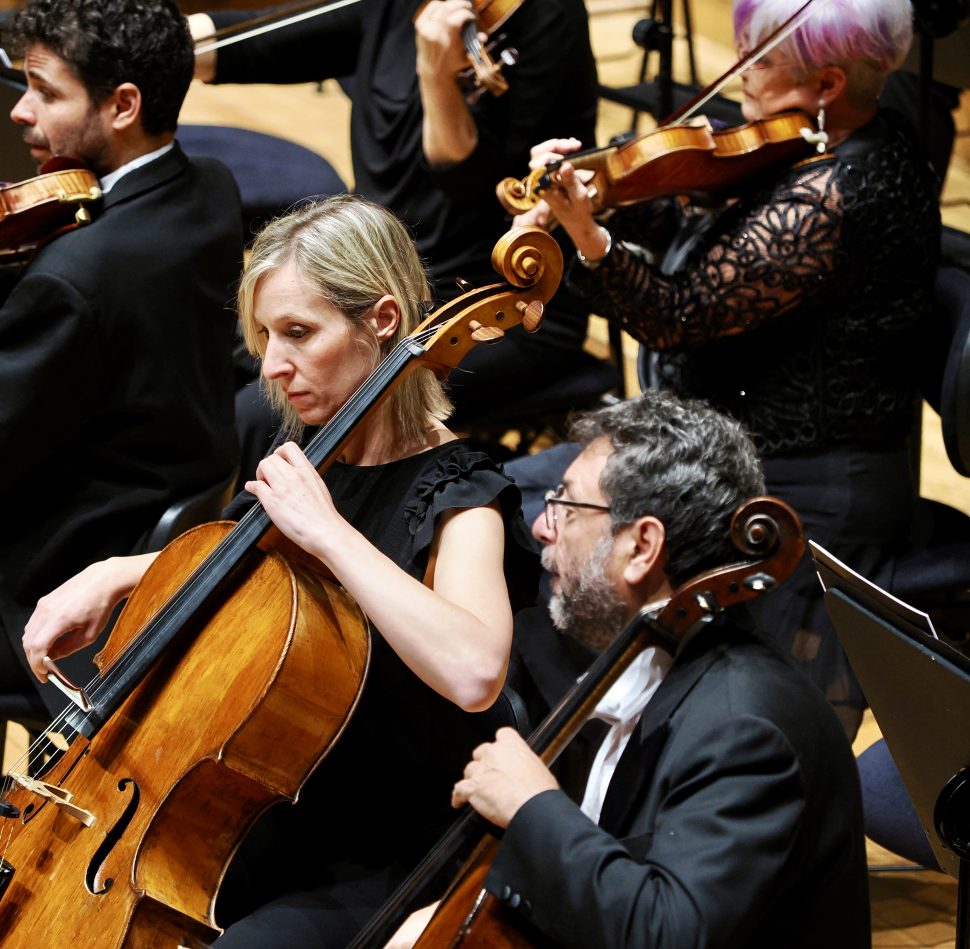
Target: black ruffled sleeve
(466, 479)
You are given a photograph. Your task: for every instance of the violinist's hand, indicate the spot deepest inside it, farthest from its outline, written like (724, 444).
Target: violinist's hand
(571, 201)
(538, 216)
(552, 149)
(448, 130)
(201, 27)
(501, 777)
(411, 929)
(296, 499)
(437, 29)
(71, 616)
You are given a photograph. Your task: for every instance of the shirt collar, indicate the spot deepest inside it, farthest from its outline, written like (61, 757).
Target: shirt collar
(113, 177)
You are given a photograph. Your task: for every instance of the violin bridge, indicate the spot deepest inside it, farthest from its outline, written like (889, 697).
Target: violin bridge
(56, 795)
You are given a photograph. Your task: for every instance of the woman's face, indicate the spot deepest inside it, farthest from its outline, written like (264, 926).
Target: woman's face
(772, 85)
(313, 352)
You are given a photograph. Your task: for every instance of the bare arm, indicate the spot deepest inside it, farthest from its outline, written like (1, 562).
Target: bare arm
(455, 636)
(71, 616)
(449, 132)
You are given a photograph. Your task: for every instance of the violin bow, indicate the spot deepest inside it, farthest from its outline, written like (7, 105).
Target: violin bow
(266, 24)
(800, 16)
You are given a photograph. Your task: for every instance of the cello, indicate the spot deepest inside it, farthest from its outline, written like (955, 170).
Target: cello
(230, 674)
(768, 532)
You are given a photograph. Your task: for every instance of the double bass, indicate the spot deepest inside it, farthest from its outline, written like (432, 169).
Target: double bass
(230, 674)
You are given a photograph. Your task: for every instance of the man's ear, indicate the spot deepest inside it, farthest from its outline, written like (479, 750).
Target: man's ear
(645, 552)
(384, 317)
(124, 106)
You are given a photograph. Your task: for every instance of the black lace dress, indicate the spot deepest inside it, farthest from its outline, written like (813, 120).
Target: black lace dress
(796, 310)
(382, 796)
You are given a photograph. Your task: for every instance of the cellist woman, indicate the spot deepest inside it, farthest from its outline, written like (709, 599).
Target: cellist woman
(414, 524)
(795, 307)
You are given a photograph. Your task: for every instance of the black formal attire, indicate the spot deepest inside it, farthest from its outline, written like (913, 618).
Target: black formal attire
(452, 211)
(733, 819)
(796, 310)
(115, 381)
(341, 851)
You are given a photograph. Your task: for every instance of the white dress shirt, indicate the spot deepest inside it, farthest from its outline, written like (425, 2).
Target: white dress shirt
(621, 708)
(113, 177)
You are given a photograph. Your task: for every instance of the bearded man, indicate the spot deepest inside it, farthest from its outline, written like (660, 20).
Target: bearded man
(722, 808)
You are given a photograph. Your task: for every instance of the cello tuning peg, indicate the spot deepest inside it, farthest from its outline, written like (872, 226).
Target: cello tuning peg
(531, 314)
(484, 334)
(463, 285)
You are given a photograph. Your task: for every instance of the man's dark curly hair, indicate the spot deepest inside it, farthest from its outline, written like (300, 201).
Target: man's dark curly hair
(108, 42)
(682, 462)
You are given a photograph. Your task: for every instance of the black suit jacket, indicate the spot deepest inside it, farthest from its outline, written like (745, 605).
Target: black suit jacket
(116, 387)
(733, 819)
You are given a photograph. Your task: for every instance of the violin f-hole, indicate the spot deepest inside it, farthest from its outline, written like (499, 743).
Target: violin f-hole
(112, 838)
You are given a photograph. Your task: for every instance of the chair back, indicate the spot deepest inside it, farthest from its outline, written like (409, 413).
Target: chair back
(205, 505)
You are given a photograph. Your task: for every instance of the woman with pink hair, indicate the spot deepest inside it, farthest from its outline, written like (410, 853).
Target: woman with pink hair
(795, 306)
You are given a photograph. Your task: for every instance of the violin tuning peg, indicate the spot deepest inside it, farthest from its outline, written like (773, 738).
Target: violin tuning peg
(531, 314)
(463, 285)
(509, 56)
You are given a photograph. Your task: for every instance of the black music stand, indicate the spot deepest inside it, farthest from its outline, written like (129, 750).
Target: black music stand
(919, 691)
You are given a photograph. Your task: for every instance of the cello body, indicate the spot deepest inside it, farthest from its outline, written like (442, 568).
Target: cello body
(176, 777)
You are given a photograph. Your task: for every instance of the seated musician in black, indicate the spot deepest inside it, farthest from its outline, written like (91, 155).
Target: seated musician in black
(722, 808)
(116, 388)
(421, 531)
(796, 307)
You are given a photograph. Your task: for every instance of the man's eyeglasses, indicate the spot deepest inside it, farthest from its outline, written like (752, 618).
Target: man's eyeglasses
(553, 498)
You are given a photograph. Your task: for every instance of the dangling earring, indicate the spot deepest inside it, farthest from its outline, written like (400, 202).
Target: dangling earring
(820, 138)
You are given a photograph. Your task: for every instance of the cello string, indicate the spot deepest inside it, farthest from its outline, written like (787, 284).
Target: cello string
(379, 378)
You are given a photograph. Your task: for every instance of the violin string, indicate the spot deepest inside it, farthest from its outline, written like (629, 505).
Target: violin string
(267, 27)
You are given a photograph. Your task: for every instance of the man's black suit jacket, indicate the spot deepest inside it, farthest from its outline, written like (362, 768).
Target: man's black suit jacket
(116, 388)
(733, 819)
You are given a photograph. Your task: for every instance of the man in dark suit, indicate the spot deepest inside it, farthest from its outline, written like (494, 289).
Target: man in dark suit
(115, 343)
(727, 811)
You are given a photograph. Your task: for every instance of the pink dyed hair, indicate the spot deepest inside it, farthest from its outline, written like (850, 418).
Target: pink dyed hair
(839, 32)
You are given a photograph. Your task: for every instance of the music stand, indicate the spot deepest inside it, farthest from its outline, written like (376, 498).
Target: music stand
(919, 691)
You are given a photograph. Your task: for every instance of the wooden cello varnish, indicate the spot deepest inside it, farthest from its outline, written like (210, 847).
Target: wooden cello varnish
(239, 719)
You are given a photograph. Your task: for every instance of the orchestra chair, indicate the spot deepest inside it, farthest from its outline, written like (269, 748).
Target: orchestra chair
(272, 174)
(206, 505)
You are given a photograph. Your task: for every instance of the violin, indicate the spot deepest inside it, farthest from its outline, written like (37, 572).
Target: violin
(674, 159)
(484, 72)
(36, 210)
(686, 155)
(229, 675)
(769, 535)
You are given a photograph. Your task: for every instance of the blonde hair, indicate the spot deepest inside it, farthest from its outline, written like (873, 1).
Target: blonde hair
(352, 252)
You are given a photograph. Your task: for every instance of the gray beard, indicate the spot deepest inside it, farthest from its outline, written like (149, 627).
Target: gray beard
(587, 608)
